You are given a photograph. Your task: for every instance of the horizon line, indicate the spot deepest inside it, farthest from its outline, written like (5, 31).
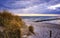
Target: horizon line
(37, 14)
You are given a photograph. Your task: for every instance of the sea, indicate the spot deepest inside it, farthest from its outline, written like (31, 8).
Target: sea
(38, 17)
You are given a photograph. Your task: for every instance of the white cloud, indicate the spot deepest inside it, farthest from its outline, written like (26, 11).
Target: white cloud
(18, 4)
(32, 6)
(54, 7)
(41, 8)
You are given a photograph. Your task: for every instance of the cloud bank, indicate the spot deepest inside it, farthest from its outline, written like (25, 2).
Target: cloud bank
(31, 6)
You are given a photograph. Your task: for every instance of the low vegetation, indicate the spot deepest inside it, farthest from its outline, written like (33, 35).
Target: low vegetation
(11, 25)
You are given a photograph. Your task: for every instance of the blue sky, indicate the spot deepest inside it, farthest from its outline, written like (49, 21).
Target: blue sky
(31, 6)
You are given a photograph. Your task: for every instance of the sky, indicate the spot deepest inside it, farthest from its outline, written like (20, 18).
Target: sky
(31, 6)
